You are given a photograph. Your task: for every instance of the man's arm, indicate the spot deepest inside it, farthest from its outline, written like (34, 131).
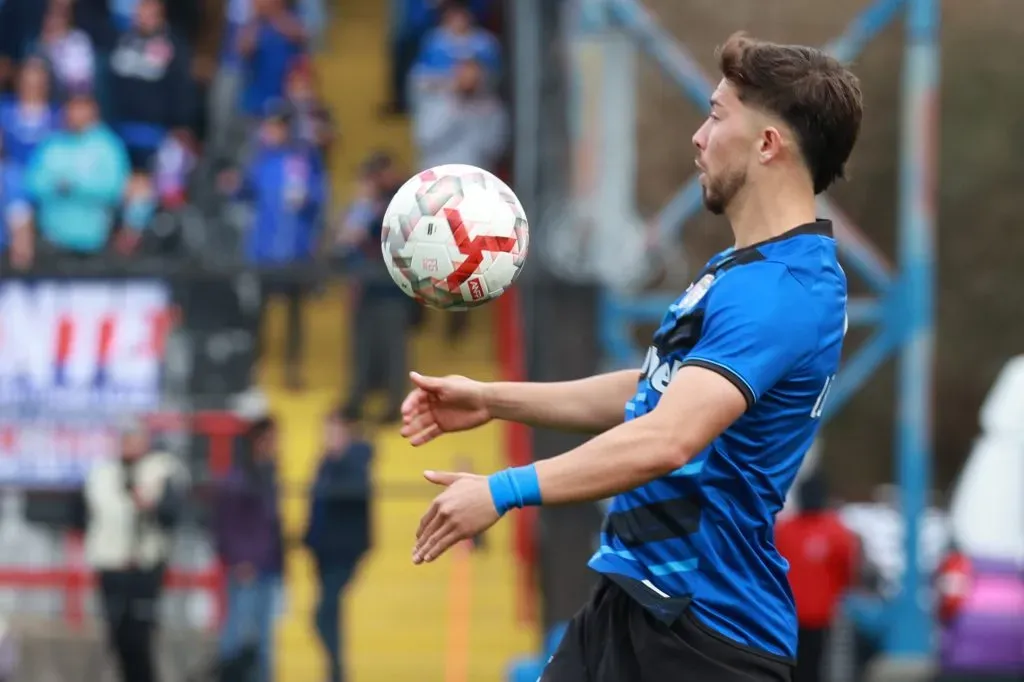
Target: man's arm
(591, 405)
(698, 405)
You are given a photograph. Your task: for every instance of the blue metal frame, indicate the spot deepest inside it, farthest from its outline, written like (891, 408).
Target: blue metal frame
(903, 311)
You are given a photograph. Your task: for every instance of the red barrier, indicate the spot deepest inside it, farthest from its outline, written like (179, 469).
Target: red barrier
(510, 343)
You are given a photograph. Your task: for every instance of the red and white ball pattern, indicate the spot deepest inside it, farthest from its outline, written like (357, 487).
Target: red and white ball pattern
(454, 237)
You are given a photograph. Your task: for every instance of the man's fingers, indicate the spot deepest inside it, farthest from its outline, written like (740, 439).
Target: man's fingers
(416, 423)
(426, 520)
(444, 478)
(430, 384)
(412, 403)
(426, 435)
(438, 526)
(440, 544)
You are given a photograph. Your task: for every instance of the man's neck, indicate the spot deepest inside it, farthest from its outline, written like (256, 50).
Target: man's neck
(763, 213)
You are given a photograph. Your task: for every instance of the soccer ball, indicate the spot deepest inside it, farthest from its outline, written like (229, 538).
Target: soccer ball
(454, 237)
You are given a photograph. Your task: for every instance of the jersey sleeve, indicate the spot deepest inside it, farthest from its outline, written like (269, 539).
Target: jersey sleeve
(759, 324)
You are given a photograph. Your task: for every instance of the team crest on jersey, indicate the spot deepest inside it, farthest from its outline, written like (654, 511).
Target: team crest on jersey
(694, 293)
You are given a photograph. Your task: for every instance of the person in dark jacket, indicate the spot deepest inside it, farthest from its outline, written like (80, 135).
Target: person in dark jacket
(381, 312)
(151, 85)
(249, 542)
(339, 528)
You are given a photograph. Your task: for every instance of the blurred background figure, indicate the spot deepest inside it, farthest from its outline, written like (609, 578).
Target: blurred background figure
(457, 39)
(16, 215)
(381, 312)
(339, 531)
(151, 84)
(284, 184)
(29, 116)
(250, 544)
(268, 45)
(129, 509)
(8, 652)
(69, 50)
(823, 560)
(312, 123)
(77, 178)
(462, 121)
(20, 23)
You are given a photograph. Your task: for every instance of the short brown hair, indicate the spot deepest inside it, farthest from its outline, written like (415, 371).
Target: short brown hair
(809, 90)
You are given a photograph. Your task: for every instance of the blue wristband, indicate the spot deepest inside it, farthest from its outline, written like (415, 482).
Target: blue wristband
(515, 488)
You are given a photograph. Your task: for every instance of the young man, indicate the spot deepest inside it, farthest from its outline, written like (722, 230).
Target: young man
(728, 402)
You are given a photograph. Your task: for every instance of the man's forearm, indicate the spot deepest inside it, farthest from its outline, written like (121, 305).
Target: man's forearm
(591, 405)
(621, 459)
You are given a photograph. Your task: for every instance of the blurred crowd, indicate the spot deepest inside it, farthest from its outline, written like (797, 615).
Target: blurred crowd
(185, 131)
(195, 130)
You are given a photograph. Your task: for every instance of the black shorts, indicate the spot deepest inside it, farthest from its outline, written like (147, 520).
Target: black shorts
(615, 639)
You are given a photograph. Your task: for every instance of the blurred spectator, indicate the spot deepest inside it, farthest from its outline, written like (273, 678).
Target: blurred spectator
(77, 180)
(269, 44)
(312, 124)
(140, 206)
(183, 15)
(68, 49)
(20, 24)
(286, 183)
(463, 122)
(456, 40)
(822, 555)
(225, 91)
(313, 14)
(247, 535)
(412, 21)
(381, 311)
(9, 652)
(175, 161)
(151, 87)
(29, 117)
(128, 509)
(338, 534)
(15, 214)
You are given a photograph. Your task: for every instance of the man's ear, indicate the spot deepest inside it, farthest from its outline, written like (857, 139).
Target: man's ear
(771, 144)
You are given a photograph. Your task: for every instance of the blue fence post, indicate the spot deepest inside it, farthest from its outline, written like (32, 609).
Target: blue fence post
(911, 633)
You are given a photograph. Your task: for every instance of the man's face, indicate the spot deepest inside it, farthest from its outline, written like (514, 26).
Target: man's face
(81, 112)
(275, 132)
(300, 87)
(149, 16)
(265, 8)
(457, 20)
(34, 81)
(725, 143)
(336, 434)
(134, 445)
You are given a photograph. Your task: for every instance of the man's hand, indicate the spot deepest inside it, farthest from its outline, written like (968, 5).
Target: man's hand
(463, 511)
(442, 405)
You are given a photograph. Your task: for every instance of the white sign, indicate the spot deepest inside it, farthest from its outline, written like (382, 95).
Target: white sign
(81, 346)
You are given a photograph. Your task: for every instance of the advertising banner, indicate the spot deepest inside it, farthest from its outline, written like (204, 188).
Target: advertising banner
(75, 357)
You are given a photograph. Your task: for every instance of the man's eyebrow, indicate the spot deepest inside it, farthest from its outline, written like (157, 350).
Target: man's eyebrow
(714, 102)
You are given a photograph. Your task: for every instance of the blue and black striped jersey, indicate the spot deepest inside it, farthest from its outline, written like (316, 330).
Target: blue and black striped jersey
(771, 319)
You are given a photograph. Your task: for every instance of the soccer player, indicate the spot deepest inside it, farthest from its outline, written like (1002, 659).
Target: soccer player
(715, 427)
